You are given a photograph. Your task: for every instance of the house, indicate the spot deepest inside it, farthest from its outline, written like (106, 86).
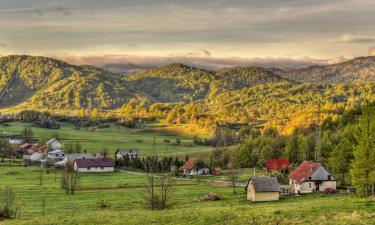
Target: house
(262, 189)
(94, 165)
(277, 164)
(54, 144)
(56, 155)
(311, 177)
(15, 140)
(131, 153)
(195, 167)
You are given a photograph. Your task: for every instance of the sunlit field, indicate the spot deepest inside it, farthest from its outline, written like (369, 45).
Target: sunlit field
(94, 140)
(123, 196)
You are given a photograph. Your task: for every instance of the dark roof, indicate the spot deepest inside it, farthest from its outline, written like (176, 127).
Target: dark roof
(98, 162)
(277, 164)
(264, 184)
(304, 171)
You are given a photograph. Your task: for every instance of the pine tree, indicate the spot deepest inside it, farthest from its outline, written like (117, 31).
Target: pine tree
(363, 165)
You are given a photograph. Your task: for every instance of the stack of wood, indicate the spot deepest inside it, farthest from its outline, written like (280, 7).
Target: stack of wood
(210, 197)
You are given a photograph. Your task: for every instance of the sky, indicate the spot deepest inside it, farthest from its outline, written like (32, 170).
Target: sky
(213, 32)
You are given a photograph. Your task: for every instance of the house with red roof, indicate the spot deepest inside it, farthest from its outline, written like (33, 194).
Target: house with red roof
(311, 177)
(195, 167)
(277, 164)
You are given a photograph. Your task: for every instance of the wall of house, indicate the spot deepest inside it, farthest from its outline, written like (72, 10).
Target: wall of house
(310, 186)
(261, 196)
(94, 169)
(327, 184)
(202, 171)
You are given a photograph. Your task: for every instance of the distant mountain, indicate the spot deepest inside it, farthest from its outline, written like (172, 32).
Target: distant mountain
(356, 70)
(125, 69)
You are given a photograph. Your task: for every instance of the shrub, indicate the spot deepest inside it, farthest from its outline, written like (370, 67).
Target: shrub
(8, 206)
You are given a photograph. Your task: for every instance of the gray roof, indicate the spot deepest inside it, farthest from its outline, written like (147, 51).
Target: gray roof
(265, 184)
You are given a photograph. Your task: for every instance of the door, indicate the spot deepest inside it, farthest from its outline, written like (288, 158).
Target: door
(317, 187)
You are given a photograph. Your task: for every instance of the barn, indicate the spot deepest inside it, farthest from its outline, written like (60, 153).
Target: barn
(262, 189)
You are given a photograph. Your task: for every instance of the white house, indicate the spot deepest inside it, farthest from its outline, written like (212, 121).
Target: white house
(56, 155)
(100, 165)
(54, 144)
(131, 153)
(311, 177)
(195, 167)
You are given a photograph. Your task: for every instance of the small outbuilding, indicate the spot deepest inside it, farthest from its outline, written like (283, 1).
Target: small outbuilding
(262, 189)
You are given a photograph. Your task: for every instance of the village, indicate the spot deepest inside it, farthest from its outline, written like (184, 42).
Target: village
(307, 177)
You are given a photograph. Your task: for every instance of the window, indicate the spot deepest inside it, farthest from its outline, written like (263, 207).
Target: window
(102, 168)
(310, 185)
(329, 177)
(88, 168)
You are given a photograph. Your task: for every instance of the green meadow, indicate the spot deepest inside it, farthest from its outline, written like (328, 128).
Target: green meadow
(113, 137)
(123, 195)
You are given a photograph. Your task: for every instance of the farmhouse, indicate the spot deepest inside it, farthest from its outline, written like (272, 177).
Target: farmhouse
(311, 177)
(94, 165)
(277, 164)
(131, 153)
(261, 189)
(195, 167)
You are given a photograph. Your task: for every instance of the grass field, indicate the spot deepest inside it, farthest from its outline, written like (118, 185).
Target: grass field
(126, 203)
(114, 137)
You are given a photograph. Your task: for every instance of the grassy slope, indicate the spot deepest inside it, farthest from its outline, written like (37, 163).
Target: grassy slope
(126, 204)
(114, 137)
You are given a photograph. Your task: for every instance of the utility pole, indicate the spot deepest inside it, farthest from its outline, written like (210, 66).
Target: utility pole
(318, 133)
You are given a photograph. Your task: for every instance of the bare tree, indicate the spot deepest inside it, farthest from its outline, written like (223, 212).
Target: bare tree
(233, 171)
(159, 185)
(8, 205)
(69, 180)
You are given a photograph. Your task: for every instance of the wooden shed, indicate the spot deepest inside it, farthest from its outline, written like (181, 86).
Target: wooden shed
(261, 189)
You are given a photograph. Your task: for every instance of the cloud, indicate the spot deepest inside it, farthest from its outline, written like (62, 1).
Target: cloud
(210, 63)
(349, 38)
(194, 53)
(371, 51)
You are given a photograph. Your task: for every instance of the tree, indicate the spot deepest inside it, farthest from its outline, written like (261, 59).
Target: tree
(159, 187)
(339, 162)
(234, 171)
(363, 165)
(69, 180)
(95, 113)
(5, 149)
(27, 134)
(8, 205)
(104, 152)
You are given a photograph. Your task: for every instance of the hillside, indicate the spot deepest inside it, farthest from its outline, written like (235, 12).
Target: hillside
(356, 70)
(183, 94)
(46, 82)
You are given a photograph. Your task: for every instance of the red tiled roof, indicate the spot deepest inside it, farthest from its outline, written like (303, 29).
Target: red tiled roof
(304, 170)
(189, 164)
(42, 149)
(277, 164)
(98, 162)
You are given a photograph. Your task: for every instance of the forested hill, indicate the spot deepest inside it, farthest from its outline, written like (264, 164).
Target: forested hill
(46, 82)
(355, 70)
(179, 93)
